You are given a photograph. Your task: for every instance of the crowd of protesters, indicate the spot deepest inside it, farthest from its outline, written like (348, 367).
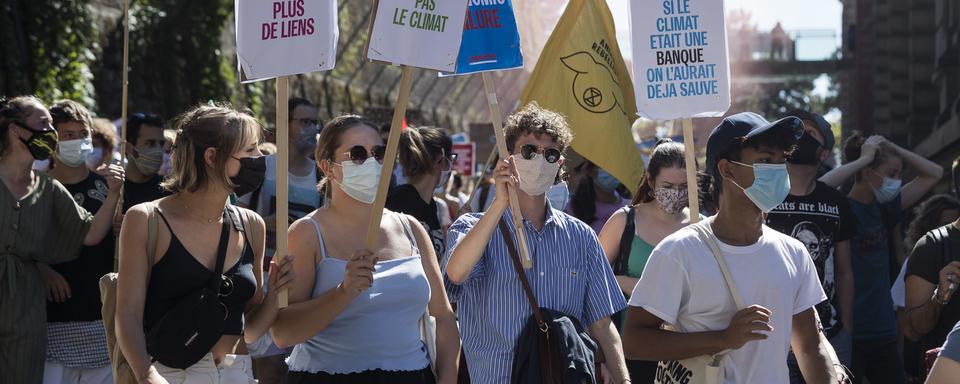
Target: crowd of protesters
(794, 271)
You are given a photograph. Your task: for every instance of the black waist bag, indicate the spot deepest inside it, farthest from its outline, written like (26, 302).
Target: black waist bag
(190, 330)
(552, 348)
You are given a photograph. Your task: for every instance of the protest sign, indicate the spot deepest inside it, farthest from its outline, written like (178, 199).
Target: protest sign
(466, 158)
(491, 41)
(680, 58)
(417, 33)
(282, 38)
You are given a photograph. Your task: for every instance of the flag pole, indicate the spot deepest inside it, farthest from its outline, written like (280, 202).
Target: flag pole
(491, 90)
(283, 159)
(389, 159)
(125, 68)
(691, 165)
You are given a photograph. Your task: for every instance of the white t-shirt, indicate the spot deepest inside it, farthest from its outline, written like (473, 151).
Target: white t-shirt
(683, 286)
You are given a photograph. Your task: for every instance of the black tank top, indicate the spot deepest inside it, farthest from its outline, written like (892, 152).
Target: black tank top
(178, 274)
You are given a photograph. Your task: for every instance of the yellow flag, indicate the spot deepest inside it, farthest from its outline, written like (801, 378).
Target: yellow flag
(582, 75)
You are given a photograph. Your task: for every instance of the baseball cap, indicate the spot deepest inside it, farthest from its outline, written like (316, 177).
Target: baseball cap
(731, 132)
(822, 125)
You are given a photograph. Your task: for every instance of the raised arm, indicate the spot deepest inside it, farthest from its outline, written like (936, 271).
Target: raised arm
(839, 175)
(469, 250)
(928, 174)
(103, 219)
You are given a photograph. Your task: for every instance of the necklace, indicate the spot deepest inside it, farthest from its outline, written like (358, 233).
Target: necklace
(202, 217)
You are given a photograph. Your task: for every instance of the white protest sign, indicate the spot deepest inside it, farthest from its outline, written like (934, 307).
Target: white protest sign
(285, 37)
(680, 65)
(418, 33)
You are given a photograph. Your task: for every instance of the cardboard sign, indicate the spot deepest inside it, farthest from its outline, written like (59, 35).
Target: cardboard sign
(491, 41)
(466, 158)
(417, 33)
(281, 38)
(680, 61)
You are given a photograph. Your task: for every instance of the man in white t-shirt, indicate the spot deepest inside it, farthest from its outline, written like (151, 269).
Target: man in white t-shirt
(682, 284)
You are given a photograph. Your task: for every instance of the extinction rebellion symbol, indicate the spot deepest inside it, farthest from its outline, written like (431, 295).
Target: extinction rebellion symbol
(594, 86)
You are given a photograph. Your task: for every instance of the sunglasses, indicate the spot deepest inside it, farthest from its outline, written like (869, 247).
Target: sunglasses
(529, 151)
(358, 154)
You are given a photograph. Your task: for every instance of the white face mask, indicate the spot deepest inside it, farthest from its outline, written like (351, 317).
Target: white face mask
(536, 175)
(361, 181)
(95, 158)
(558, 195)
(73, 153)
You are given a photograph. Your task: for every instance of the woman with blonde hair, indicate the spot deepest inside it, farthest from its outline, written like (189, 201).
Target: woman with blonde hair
(191, 280)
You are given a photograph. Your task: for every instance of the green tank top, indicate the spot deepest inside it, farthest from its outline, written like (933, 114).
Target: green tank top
(639, 253)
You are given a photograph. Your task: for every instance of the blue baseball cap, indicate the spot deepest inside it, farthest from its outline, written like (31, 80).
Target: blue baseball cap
(734, 129)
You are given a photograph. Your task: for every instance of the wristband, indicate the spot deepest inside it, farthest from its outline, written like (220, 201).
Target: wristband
(936, 297)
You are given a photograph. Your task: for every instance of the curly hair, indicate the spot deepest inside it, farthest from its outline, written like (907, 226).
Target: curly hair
(535, 120)
(927, 215)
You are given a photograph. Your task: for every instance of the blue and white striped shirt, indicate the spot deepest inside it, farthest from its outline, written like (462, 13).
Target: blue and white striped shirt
(570, 274)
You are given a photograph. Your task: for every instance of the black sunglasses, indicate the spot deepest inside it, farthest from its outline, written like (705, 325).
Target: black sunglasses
(529, 151)
(358, 154)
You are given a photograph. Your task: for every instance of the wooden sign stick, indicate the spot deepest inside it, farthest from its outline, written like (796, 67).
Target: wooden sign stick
(491, 90)
(123, 102)
(283, 175)
(691, 162)
(389, 159)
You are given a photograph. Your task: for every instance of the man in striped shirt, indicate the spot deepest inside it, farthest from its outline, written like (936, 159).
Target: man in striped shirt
(570, 273)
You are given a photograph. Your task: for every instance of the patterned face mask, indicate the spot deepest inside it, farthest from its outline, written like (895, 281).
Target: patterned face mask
(671, 200)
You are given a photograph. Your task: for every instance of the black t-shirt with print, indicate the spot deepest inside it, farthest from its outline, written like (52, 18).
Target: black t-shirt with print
(83, 274)
(926, 261)
(136, 193)
(819, 220)
(406, 199)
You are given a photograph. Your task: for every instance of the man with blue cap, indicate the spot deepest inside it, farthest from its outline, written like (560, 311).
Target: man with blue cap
(772, 275)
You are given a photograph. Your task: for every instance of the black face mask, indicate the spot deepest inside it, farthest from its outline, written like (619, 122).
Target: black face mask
(252, 172)
(41, 144)
(807, 151)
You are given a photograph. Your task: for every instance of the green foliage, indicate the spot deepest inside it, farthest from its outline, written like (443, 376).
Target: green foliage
(47, 49)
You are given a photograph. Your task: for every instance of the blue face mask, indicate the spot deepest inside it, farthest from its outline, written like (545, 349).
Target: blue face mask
(888, 190)
(606, 181)
(771, 185)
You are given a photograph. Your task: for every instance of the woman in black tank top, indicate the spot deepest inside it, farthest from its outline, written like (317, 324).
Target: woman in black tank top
(215, 155)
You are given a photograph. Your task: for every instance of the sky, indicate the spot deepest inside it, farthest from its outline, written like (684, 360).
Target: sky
(794, 15)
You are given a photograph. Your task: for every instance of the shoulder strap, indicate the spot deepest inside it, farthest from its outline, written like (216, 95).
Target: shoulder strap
(707, 236)
(621, 264)
(221, 252)
(515, 257)
(408, 230)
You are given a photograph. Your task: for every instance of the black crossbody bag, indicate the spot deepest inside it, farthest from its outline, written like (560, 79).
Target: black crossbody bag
(189, 331)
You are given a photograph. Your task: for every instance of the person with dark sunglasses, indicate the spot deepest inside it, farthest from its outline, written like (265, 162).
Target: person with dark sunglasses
(426, 159)
(570, 273)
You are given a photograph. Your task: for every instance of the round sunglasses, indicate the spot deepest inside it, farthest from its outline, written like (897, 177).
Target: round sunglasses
(358, 154)
(529, 151)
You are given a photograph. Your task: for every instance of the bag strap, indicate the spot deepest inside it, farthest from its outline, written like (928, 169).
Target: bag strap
(153, 223)
(515, 257)
(221, 252)
(708, 237)
(621, 264)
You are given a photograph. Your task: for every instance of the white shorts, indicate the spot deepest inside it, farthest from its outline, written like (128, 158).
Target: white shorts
(56, 373)
(235, 369)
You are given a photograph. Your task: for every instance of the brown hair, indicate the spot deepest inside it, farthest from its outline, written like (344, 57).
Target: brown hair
(105, 131)
(329, 140)
(207, 126)
(666, 154)
(69, 111)
(853, 147)
(420, 148)
(15, 110)
(538, 121)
